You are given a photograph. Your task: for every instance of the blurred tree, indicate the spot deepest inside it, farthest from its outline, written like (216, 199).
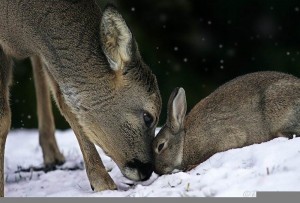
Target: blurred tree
(196, 44)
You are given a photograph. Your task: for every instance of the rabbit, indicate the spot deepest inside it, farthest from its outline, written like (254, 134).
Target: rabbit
(249, 109)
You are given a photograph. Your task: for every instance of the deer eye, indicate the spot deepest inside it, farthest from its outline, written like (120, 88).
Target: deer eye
(148, 119)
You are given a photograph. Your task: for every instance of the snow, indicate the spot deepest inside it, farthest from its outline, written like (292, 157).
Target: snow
(269, 166)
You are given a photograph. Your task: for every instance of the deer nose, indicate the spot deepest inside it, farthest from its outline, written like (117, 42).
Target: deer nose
(144, 169)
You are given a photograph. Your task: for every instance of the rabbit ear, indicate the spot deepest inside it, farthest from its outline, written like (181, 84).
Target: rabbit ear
(176, 109)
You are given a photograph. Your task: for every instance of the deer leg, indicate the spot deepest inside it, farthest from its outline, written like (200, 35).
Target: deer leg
(96, 172)
(5, 118)
(51, 154)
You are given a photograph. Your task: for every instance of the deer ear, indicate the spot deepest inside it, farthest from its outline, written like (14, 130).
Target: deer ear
(116, 38)
(176, 109)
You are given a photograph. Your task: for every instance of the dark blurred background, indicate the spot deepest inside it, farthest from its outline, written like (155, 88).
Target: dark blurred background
(195, 44)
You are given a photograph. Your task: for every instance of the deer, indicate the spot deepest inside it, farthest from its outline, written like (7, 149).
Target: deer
(89, 61)
(249, 109)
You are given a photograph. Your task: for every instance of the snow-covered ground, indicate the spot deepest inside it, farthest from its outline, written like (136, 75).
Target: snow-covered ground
(270, 166)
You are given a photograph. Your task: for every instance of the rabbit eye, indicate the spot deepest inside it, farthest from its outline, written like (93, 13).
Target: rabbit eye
(160, 147)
